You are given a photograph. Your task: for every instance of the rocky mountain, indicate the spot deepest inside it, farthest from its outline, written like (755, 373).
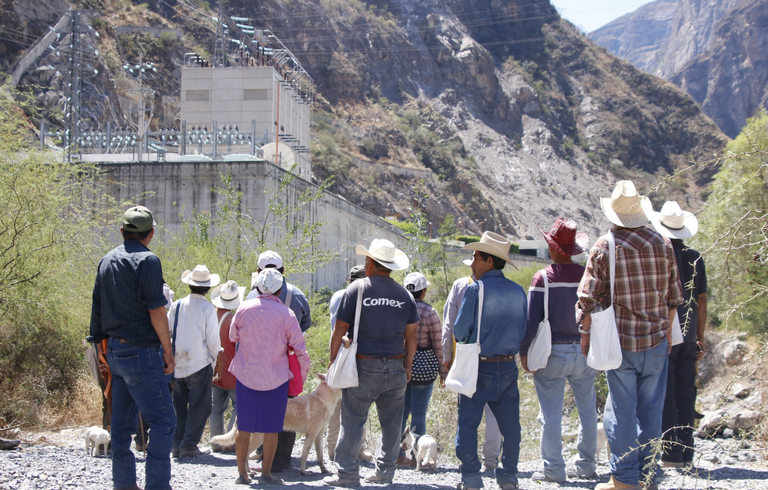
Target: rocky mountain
(713, 50)
(499, 113)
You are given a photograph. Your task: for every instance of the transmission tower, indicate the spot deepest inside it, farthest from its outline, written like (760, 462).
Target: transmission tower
(140, 72)
(219, 45)
(74, 83)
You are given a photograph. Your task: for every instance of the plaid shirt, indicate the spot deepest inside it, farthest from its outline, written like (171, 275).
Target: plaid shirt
(429, 332)
(647, 286)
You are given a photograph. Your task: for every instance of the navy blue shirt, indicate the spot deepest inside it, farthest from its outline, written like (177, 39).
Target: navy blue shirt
(693, 276)
(129, 283)
(505, 311)
(387, 308)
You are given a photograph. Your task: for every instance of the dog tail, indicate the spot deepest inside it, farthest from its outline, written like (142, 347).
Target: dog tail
(227, 439)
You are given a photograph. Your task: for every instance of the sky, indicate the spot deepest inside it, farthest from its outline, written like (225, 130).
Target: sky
(591, 14)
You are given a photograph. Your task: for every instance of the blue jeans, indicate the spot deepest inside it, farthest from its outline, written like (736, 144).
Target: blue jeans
(416, 404)
(138, 384)
(566, 362)
(496, 386)
(191, 398)
(219, 405)
(382, 382)
(633, 411)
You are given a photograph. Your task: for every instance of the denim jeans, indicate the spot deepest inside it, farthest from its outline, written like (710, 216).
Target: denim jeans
(219, 405)
(680, 404)
(381, 382)
(632, 415)
(566, 362)
(416, 404)
(138, 384)
(191, 398)
(496, 386)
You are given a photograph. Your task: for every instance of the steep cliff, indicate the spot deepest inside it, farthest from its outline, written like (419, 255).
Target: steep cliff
(500, 113)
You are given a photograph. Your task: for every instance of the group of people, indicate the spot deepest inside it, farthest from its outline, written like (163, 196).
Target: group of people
(403, 348)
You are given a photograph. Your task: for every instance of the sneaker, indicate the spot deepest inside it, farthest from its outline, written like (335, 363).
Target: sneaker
(364, 455)
(614, 484)
(509, 486)
(461, 486)
(191, 452)
(378, 477)
(270, 480)
(539, 476)
(577, 474)
(341, 481)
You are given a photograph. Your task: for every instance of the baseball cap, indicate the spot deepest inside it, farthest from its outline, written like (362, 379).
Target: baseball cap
(415, 281)
(138, 219)
(270, 257)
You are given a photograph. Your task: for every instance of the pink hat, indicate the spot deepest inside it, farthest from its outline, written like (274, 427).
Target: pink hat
(565, 239)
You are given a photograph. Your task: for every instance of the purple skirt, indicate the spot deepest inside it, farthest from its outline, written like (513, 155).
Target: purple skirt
(261, 411)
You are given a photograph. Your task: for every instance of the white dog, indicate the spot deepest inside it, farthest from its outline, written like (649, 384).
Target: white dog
(424, 447)
(95, 437)
(602, 442)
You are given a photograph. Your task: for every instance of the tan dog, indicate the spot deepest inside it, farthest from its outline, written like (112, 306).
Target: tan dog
(95, 437)
(308, 414)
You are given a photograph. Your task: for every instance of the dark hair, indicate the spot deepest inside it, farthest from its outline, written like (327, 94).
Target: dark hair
(272, 266)
(136, 235)
(380, 267)
(417, 294)
(498, 262)
(203, 290)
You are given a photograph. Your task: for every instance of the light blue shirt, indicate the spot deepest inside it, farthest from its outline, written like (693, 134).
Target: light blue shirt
(505, 312)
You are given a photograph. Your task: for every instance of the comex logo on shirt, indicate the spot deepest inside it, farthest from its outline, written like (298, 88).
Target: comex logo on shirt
(383, 302)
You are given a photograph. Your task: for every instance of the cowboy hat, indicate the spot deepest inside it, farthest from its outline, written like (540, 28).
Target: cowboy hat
(626, 207)
(227, 296)
(494, 244)
(200, 277)
(565, 239)
(384, 252)
(673, 222)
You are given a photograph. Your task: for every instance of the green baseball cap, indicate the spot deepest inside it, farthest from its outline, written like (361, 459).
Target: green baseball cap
(138, 219)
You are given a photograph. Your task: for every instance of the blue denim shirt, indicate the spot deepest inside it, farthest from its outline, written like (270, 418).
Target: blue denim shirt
(505, 310)
(128, 284)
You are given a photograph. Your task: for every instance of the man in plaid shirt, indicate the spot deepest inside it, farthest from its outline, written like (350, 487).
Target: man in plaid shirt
(646, 295)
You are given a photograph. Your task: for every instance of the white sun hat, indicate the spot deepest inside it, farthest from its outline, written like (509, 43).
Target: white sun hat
(673, 222)
(415, 281)
(227, 296)
(269, 281)
(626, 207)
(200, 276)
(385, 253)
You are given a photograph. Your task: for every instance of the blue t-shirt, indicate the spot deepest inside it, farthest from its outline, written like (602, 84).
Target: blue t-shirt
(387, 308)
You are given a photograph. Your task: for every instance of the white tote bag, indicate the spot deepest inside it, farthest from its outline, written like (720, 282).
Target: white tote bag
(541, 345)
(677, 332)
(604, 345)
(462, 378)
(343, 371)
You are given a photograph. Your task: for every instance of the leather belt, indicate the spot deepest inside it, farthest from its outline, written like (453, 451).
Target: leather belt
(390, 358)
(497, 359)
(566, 341)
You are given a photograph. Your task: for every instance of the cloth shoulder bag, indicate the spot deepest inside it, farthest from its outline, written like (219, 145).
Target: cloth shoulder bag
(343, 371)
(462, 378)
(541, 345)
(677, 332)
(296, 385)
(604, 345)
(425, 365)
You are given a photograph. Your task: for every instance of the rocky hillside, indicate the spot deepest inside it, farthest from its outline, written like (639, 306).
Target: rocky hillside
(713, 50)
(500, 113)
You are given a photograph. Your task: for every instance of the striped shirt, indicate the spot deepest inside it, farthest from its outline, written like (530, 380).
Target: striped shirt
(563, 282)
(647, 286)
(429, 332)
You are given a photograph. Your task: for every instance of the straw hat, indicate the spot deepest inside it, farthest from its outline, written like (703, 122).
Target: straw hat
(227, 296)
(494, 244)
(626, 207)
(385, 253)
(673, 222)
(200, 276)
(565, 239)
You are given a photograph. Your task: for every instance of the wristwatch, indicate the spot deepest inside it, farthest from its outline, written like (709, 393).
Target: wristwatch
(585, 332)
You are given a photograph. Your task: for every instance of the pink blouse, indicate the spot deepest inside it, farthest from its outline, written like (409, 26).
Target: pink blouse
(265, 327)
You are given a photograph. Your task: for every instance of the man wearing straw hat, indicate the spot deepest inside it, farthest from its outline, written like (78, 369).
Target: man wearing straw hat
(646, 295)
(129, 309)
(195, 332)
(502, 326)
(386, 346)
(680, 402)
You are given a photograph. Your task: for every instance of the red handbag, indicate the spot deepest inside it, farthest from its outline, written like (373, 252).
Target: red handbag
(296, 386)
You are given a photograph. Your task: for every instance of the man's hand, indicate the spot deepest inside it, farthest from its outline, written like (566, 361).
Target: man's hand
(448, 365)
(408, 374)
(524, 362)
(701, 349)
(170, 362)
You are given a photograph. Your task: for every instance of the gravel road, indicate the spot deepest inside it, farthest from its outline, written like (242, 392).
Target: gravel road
(59, 461)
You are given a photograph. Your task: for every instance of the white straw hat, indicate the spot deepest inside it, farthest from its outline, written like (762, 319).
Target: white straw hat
(385, 253)
(494, 244)
(227, 296)
(626, 207)
(673, 222)
(200, 276)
